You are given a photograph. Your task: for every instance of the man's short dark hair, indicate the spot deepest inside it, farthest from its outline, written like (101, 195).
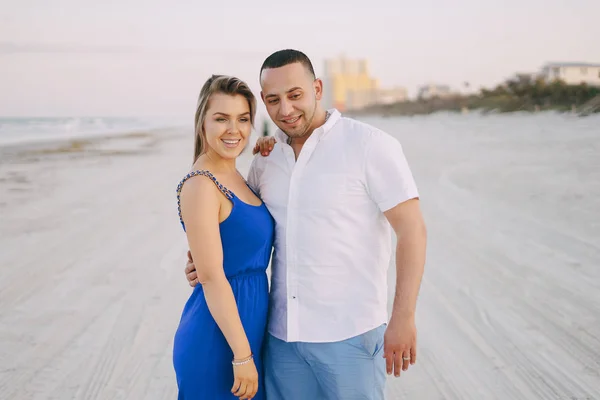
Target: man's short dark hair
(285, 57)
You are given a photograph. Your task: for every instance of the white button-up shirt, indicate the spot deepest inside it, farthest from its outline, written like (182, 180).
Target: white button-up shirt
(332, 242)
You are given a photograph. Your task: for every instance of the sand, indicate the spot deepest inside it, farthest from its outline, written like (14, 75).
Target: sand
(92, 258)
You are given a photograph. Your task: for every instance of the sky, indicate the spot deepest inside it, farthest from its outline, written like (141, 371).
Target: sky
(150, 58)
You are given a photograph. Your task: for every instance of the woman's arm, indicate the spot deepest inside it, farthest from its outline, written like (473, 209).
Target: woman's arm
(200, 205)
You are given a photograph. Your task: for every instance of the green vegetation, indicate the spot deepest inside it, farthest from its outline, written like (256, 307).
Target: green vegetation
(519, 94)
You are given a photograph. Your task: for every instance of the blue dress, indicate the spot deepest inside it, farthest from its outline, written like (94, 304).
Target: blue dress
(201, 355)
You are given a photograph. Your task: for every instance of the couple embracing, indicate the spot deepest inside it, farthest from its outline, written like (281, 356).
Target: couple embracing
(322, 198)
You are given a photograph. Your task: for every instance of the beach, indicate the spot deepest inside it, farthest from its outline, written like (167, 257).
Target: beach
(92, 257)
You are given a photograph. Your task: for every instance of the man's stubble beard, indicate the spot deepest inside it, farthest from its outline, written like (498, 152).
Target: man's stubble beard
(306, 129)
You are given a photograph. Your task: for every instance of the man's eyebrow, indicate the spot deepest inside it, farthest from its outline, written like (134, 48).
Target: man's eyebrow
(288, 91)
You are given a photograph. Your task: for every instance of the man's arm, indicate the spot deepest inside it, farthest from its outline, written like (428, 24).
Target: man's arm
(390, 184)
(401, 336)
(407, 221)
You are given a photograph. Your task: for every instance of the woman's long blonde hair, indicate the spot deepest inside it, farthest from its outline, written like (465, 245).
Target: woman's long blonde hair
(218, 84)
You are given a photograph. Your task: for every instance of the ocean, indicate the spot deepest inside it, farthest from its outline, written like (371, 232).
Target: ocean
(17, 130)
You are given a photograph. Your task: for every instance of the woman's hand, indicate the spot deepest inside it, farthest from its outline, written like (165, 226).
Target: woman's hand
(264, 145)
(245, 383)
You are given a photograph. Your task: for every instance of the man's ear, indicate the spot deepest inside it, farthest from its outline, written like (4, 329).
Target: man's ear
(318, 85)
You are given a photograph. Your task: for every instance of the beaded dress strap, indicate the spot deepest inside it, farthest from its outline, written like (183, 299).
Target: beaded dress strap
(228, 193)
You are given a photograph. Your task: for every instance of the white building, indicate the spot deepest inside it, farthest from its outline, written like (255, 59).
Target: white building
(572, 73)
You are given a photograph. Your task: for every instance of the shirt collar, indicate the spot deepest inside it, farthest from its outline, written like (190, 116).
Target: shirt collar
(333, 116)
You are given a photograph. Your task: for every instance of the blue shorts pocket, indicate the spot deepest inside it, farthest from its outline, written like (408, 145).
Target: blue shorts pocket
(370, 342)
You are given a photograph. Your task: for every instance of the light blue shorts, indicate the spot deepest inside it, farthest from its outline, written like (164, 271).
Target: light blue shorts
(350, 369)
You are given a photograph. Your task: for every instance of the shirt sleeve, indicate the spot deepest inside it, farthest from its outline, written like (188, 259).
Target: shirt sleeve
(389, 179)
(253, 180)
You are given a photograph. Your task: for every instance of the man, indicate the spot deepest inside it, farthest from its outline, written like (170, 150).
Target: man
(334, 186)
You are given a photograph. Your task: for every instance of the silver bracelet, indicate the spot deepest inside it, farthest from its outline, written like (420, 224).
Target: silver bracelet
(246, 361)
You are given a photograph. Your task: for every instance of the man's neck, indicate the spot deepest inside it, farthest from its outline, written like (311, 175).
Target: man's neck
(320, 119)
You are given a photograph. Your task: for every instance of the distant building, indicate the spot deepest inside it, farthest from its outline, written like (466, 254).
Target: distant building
(349, 86)
(431, 91)
(392, 95)
(572, 73)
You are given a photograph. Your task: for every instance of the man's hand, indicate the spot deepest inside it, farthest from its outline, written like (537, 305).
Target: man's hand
(400, 344)
(190, 271)
(264, 145)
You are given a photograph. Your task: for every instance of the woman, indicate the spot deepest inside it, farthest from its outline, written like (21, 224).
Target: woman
(218, 344)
